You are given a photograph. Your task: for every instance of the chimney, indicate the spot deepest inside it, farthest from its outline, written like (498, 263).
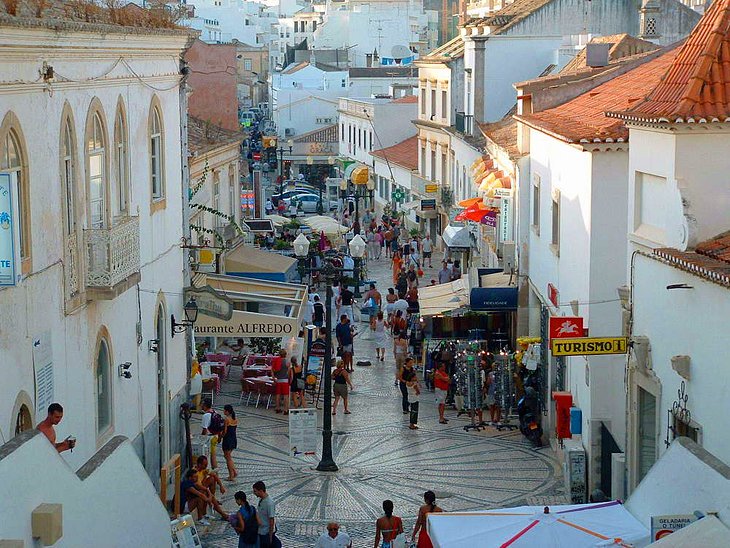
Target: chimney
(597, 54)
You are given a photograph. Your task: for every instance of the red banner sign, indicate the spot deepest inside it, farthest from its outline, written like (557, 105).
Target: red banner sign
(566, 326)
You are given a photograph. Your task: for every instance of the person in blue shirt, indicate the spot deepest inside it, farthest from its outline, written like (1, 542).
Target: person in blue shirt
(343, 331)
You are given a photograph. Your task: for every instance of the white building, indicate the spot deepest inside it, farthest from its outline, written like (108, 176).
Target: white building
(93, 150)
(575, 181)
(393, 169)
(214, 183)
(304, 97)
(388, 32)
(678, 265)
(393, 81)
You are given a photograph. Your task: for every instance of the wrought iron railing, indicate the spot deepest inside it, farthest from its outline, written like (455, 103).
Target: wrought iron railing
(112, 254)
(464, 123)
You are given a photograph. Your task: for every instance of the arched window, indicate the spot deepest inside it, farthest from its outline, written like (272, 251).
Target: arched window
(11, 161)
(103, 385)
(23, 420)
(120, 161)
(68, 155)
(96, 154)
(156, 154)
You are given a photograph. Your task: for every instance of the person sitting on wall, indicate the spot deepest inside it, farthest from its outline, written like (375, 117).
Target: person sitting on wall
(46, 426)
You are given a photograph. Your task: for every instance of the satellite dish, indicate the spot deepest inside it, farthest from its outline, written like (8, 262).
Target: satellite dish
(400, 52)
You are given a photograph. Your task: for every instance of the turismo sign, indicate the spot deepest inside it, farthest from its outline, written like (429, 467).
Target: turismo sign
(589, 346)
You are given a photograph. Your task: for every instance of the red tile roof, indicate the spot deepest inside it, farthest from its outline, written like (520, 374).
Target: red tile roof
(584, 120)
(404, 154)
(406, 99)
(696, 87)
(710, 259)
(326, 134)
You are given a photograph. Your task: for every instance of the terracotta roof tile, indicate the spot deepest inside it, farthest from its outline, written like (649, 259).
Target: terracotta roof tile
(717, 247)
(695, 263)
(696, 87)
(504, 134)
(584, 120)
(323, 135)
(453, 49)
(204, 136)
(509, 15)
(406, 99)
(621, 46)
(405, 153)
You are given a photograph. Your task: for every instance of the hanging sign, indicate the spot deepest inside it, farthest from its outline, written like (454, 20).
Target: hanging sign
(8, 259)
(210, 301)
(589, 346)
(505, 219)
(565, 326)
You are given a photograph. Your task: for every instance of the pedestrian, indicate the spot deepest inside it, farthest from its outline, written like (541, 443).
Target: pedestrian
(380, 336)
(388, 526)
(280, 372)
(267, 513)
(427, 248)
(456, 270)
(387, 242)
(230, 442)
(400, 351)
(347, 298)
(333, 538)
(269, 206)
(430, 507)
(397, 263)
(248, 522)
(371, 249)
(341, 380)
(412, 276)
(379, 240)
(444, 275)
(414, 391)
(192, 498)
(495, 411)
(343, 332)
(400, 325)
(441, 382)
(318, 312)
(414, 244)
(401, 284)
(296, 382)
(373, 302)
(212, 424)
(46, 427)
(412, 300)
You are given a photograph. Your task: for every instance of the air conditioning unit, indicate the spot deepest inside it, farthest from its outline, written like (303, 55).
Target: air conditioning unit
(288, 132)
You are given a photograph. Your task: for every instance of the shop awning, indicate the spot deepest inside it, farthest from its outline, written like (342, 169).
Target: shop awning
(443, 298)
(279, 307)
(456, 237)
(250, 262)
(496, 292)
(470, 202)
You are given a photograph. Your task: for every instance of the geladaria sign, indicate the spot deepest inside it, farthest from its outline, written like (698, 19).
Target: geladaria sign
(8, 244)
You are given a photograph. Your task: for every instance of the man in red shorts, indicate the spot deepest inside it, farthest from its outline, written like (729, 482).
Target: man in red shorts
(280, 369)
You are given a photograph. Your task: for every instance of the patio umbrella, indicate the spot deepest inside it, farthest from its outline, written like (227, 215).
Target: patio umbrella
(469, 202)
(576, 526)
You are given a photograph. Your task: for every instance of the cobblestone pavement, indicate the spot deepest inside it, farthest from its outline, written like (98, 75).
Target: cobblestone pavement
(380, 457)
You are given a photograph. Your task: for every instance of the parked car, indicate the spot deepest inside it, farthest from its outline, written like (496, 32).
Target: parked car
(286, 196)
(310, 203)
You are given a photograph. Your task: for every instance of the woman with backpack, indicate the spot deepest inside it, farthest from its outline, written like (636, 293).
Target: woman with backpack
(247, 522)
(389, 526)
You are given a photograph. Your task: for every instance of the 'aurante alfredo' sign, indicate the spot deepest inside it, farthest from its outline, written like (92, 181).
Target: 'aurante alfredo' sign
(246, 324)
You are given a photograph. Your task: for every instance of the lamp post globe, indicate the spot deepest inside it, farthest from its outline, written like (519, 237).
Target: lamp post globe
(301, 246)
(357, 247)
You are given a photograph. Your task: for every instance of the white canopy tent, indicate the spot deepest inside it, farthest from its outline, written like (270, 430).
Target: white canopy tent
(328, 225)
(574, 526)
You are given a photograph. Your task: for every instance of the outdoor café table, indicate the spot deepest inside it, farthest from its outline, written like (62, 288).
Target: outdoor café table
(256, 371)
(219, 368)
(253, 358)
(218, 357)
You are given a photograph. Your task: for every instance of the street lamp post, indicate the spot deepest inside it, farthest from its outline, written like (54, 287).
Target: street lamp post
(357, 249)
(281, 151)
(330, 272)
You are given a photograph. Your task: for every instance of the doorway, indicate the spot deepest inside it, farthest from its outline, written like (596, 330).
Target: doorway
(647, 433)
(162, 403)
(23, 420)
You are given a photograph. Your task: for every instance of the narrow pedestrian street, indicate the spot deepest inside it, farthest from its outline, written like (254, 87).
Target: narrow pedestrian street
(380, 458)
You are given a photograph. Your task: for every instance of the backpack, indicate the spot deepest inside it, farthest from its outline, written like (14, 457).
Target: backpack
(217, 424)
(250, 526)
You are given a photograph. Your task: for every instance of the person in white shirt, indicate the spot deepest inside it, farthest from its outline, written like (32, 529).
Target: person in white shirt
(427, 248)
(333, 538)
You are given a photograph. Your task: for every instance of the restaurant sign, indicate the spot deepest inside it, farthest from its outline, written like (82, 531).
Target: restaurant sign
(589, 346)
(210, 302)
(8, 244)
(246, 324)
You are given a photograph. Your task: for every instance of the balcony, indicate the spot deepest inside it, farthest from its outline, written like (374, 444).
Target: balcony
(464, 123)
(112, 259)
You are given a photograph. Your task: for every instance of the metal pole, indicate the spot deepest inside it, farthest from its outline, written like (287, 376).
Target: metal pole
(281, 171)
(320, 208)
(327, 464)
(356, 275)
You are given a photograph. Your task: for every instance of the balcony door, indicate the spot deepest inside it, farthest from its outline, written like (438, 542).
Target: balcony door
(96, 144)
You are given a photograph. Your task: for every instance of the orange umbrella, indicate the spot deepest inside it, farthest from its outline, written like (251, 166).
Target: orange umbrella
(470, 202)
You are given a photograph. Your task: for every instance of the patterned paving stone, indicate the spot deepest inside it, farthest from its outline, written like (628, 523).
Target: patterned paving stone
(380, 457)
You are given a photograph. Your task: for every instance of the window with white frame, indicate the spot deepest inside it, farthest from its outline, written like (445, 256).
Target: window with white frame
(247, 64)
(216, 189)
(555, 234)
(444, 104)
(68, 171)
(422, 97)
(156, 155)
(232, 189)
(536, 202)
(120, 161)
(433, 162)
(96, 158)
(444, 168)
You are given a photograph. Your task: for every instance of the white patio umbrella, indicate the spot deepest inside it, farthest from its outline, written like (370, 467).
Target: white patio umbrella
(574, 526)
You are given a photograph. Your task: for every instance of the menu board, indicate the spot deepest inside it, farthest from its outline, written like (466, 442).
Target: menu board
(302, 432)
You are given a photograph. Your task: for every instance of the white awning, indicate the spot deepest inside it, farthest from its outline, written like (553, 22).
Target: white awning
(456, 236)
(328, 225)
(250, 262)
(284, 306)
(442, 298)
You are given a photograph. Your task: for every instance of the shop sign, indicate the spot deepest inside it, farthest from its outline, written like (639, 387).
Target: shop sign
(502, 192)
(566, 326)
(245, 329)
(493, 298)
(661, 526)
(589, 346)
(321, 148)
(210, 302)
(505, 220)
(431, 189)
(8, 259)
(428, 205)
(553, 295)
(207, 261)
